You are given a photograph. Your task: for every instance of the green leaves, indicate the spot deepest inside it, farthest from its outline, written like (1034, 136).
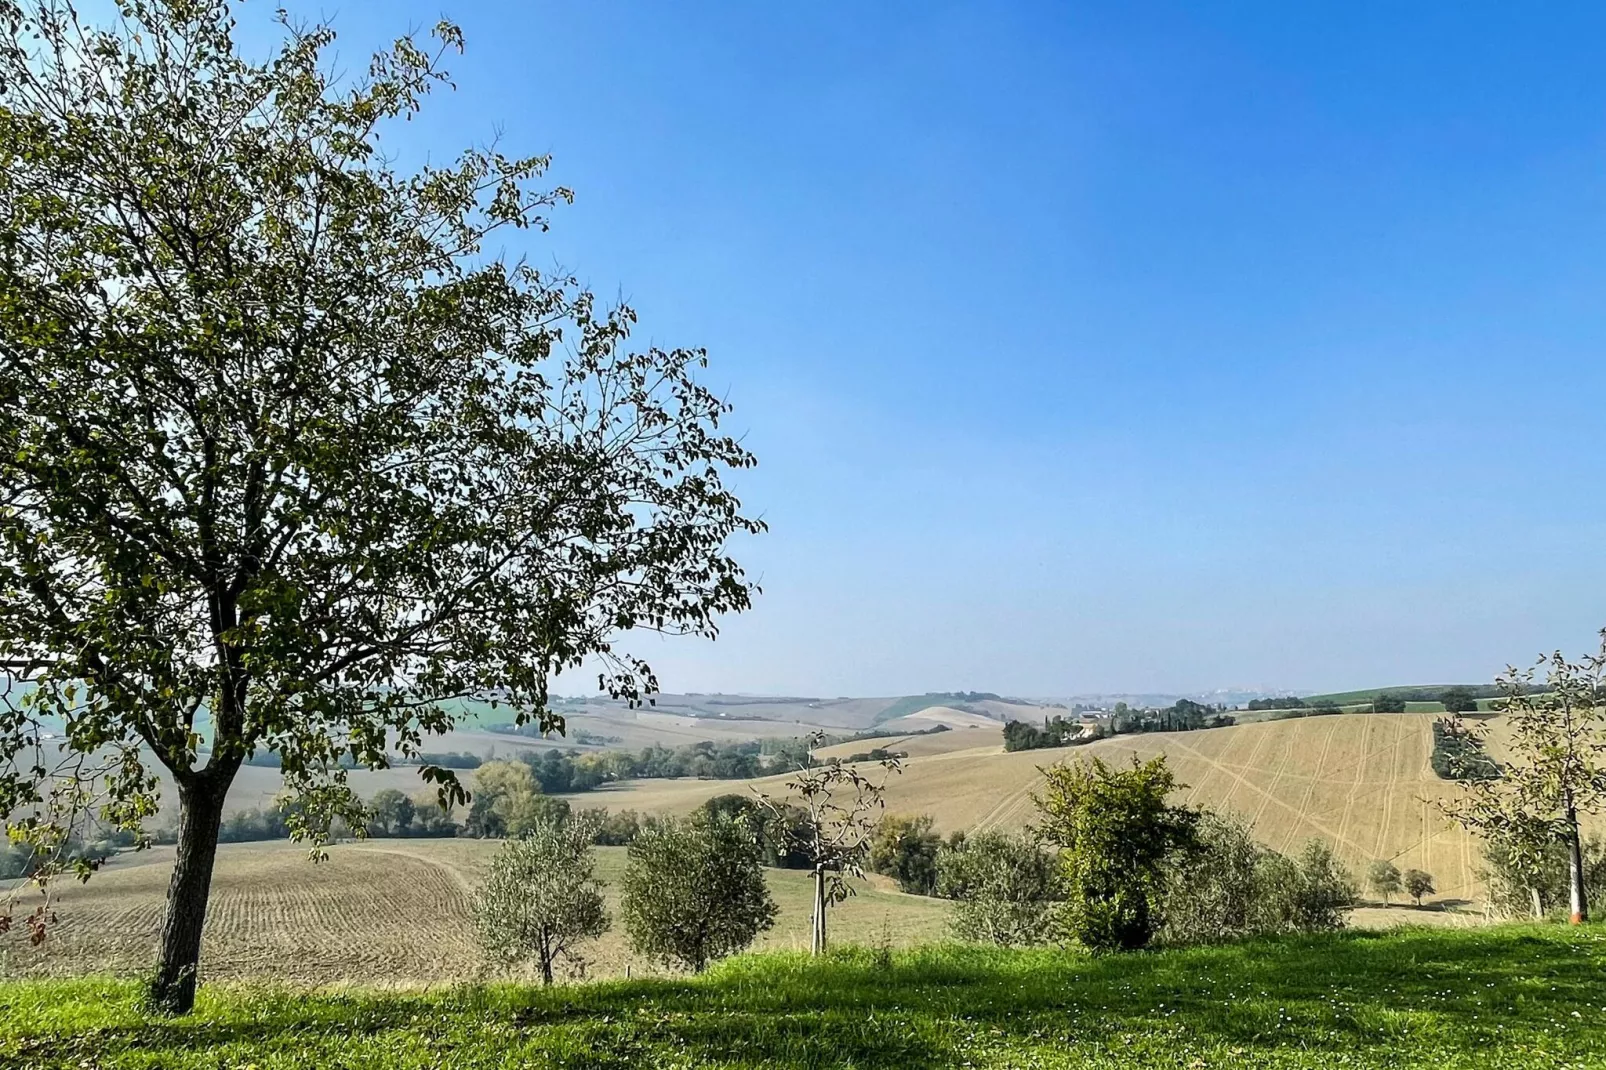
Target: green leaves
(285, 458)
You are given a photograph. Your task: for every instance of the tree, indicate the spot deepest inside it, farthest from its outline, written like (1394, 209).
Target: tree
(694, 890)
(1458, 700)
(390, 813)
(837, 805)
(1212, 888)
(905, 849)
(1387, 703)
(1554, 768)
(1384, 877)
(1310, 893)
(1418, 884)
(541, 898)
(1006, 888)
(289, 456)
(1114, 829)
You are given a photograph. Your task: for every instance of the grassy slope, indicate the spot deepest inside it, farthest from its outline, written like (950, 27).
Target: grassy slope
(1510, 997)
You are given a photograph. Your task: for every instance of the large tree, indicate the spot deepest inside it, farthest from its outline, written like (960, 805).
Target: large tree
(288, 457)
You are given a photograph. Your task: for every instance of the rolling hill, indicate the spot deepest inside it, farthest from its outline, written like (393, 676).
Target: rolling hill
(1360, 782)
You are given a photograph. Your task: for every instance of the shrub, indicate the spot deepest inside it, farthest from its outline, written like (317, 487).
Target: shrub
(905, 849)
(616, 829)
(694, 890)
(541, 898)
(1212, 889)
(1007, 888)
(1310, 893)
(1115, 830)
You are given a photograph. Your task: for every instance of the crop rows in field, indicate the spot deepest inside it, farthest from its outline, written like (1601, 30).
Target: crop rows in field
(393, 913)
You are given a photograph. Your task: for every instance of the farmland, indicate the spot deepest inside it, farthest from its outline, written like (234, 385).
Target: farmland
(1361, 782)
(396, 911)
(1509, 997)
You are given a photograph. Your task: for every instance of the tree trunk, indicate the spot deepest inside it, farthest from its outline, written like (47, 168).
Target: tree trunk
(1538, 904)
(818, 943)
(200, 816)
(1575, 871)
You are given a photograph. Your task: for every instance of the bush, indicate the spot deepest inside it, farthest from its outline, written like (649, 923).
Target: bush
(1513, 888)
(617, 829)
(694, 890)
(541, 898)
(1308, 894)
(1115, 830)
(1212, 888)
(1007, 888)
(1226, 886)
(905, 849)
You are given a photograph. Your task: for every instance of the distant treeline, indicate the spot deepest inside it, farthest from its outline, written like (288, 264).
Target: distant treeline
(1184, 716)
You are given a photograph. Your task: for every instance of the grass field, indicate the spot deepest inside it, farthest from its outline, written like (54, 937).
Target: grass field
(1508, 997)
(1361, 782)
(396, 910)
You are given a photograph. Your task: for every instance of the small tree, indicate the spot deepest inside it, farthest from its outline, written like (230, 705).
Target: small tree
(1555, 766)
(1418, 884)
(1384, 878)
(839, 806)
(694, 890)
(1458, 700)
(541, 898)
(905, 849)
(1006, 888)
(1114, 828)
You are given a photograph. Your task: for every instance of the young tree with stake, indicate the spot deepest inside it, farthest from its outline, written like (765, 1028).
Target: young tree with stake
(840, 809)
(287, 458)
(1554, 769)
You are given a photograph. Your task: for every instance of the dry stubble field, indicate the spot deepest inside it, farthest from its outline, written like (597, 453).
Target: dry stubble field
(1361, 782)
(388, 912)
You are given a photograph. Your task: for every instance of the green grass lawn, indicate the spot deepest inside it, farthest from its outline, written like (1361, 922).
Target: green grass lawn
(1512, 996)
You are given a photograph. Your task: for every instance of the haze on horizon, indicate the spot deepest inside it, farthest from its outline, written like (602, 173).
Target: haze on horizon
(1099, 347)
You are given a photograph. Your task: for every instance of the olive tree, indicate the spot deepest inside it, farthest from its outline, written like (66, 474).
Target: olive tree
(1554, 768)
(694, 890)
(1006, 888)
(541, 898)
(288, 457)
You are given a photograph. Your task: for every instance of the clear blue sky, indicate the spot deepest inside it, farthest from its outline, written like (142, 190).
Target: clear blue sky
(1100, 346)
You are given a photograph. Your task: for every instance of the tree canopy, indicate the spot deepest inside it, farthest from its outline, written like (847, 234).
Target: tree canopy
(288, 456)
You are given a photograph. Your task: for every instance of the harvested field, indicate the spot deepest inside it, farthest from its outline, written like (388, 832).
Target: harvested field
(383, 912)
(1361, 782)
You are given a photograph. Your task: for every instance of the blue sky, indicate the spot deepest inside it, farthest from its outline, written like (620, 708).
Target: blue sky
(1085, 347)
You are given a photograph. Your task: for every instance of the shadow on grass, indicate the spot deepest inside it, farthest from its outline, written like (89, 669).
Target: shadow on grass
(1437, 989)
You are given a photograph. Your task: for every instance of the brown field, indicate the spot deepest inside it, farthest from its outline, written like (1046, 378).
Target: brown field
(382, 912)
(1361, 783)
